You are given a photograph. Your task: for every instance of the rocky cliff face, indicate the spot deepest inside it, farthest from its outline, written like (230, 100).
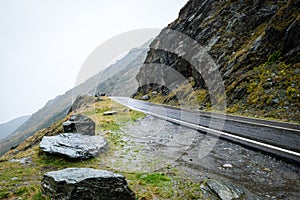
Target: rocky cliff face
(255, 46)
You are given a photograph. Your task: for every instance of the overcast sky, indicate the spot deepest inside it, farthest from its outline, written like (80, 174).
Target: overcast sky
(45, 42)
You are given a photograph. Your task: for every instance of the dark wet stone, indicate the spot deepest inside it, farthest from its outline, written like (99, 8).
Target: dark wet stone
(79, 124)
(225, 189)
(86, 183)
(73, 145)
(100, 95)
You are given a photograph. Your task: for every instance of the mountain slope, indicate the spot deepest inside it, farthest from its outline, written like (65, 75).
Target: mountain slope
(57, 108)
(123, 83)
(255, 45)
(9, 127)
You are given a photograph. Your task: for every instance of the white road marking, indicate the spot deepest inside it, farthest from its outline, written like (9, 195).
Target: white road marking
(212, 131)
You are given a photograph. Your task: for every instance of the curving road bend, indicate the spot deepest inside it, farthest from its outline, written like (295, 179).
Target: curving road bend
(277, 138)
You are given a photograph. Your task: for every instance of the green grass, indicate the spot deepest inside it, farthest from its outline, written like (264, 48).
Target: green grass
(23, 180)
(111, 122)
(158, 185)
(17, 180)
(155, 178)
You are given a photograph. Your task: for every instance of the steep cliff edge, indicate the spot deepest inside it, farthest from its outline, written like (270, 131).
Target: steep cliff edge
(255, 45)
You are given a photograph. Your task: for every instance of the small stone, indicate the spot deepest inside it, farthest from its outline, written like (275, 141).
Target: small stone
(227, 165)
(86, 183)
(225, 189)
(14, 178)
(267, 170)
(112, 112)
(145, 97)
(21, 160)
(275, 101)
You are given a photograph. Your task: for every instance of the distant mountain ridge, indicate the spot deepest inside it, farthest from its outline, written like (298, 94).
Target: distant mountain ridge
(9, 127)
(58, 108)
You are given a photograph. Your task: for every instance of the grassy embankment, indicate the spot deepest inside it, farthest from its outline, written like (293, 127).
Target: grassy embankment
(23, 180)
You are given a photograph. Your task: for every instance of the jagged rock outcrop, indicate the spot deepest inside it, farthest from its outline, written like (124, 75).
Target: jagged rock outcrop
(79, 124)
(251, 43)
(73, 146)
(81, 101)
(86, 184)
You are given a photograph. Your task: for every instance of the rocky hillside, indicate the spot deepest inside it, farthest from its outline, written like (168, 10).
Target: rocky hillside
(57, 108)
(123, 83)
(255, 45)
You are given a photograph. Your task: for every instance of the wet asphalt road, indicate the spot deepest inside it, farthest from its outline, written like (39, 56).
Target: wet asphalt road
(279, 134)
(162, 143)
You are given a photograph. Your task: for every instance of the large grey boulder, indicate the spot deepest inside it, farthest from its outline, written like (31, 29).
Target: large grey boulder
(225, 190)
(73, 145)
(86, 183)
(79, 124)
